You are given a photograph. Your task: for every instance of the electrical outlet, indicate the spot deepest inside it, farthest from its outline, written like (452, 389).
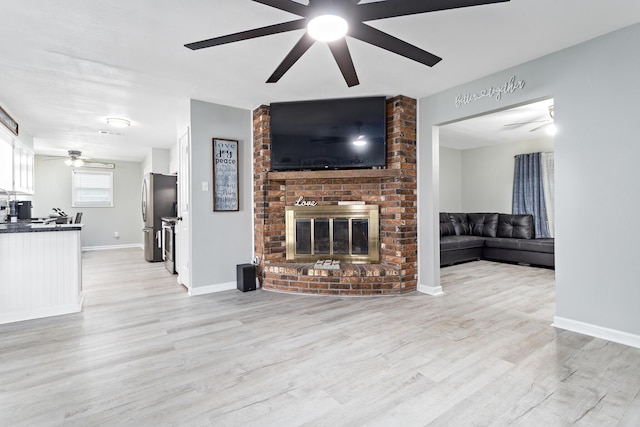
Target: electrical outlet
(116, 234)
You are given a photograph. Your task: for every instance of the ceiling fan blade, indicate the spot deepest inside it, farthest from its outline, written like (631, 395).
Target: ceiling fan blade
(341, 54)
(539, 127)
(383, 40)
(389, 9)
(287, 6)
(305, 42)
(526, 123)
(249, 34)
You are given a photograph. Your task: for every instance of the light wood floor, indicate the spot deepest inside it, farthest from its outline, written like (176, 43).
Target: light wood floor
(143, 353)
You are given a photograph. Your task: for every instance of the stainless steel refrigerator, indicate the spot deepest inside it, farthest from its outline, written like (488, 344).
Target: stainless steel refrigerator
(159, 196)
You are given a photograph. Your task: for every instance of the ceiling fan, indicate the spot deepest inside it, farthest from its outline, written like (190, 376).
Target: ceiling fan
(75, 159)
(331, 20)
(547, 123)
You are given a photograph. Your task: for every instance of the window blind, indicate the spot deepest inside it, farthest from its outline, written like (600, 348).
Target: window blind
(92, 189)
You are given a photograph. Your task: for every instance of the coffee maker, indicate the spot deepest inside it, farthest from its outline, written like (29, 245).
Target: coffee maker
(20, 208)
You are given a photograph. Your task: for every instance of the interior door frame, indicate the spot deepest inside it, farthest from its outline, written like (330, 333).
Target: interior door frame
(183, 225)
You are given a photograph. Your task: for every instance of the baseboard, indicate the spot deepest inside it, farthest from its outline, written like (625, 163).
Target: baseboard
(597, 331)
(434, 291)
(41, 313)
(202, 290)
(109, 247)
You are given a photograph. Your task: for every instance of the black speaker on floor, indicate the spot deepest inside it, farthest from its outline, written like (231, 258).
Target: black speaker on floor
(246, 277)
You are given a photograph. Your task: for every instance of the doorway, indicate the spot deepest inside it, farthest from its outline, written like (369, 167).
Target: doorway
(476, 165)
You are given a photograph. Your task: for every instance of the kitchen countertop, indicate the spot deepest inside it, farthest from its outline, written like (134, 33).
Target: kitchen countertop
(25, 227)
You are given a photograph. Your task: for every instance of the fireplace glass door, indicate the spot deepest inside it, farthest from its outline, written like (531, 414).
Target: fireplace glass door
(321, 236)
(341, 235)
(349, 233)
(303, 231)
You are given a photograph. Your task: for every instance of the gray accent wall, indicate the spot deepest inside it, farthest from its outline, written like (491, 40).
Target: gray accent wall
(595, 90)
(53, 189)
(219, 240)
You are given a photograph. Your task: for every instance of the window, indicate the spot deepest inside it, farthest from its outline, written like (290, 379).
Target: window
(91, 189)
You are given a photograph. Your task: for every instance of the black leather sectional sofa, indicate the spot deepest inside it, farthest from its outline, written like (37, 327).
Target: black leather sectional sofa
(492, 236)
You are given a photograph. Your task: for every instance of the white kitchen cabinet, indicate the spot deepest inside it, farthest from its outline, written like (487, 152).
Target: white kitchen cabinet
(22, 169)
(6, 163)
(16, 165)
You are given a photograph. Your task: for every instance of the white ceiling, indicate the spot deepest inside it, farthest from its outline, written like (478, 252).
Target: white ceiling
(67, 65)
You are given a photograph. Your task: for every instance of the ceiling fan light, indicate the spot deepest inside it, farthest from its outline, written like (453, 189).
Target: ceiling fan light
(118, 123)
(327, 28)
(74, 163)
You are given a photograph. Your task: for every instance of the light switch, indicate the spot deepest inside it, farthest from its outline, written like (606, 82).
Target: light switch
(205, 186)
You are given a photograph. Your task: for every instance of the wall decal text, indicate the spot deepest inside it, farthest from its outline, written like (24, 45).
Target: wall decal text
(492, 92)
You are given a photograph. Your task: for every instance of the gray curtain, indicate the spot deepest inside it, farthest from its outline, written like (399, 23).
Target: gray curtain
(528, 192)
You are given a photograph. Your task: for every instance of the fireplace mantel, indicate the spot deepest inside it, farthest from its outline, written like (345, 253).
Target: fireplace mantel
(334, 174)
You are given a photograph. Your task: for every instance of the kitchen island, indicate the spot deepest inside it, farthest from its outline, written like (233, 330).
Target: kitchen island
(40, 270)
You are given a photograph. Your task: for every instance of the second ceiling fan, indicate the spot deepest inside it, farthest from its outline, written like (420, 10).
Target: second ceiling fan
(340, 18)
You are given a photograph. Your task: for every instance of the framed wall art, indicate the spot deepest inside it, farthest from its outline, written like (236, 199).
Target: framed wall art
(225, 175)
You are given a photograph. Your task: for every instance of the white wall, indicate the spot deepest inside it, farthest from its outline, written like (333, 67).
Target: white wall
(156, 161)
(26, 139)
(487, 174)
(481, 179)
(596, 174)
(53, 189)
(219, 240)
(450, 180)
(173, 159)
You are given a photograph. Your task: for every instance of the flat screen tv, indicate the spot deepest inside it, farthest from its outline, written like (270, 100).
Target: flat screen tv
(347, 133)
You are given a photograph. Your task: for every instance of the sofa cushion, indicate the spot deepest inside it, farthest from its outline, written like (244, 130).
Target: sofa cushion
(446, 226)
(483, 224)
(538, 245)
(502, 243)
(531, 245)
(516, 226)
(460, 223)
(451, 243)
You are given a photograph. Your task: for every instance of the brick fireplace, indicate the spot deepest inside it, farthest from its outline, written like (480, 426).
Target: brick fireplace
(392, 189)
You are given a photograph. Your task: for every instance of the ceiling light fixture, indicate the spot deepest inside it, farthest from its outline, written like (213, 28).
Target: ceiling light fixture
(327, 28)
(118, 123)
(551, 129)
